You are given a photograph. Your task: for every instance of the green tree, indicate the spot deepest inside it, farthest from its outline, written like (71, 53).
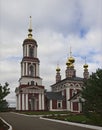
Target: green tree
(4, 91)
(92, 93)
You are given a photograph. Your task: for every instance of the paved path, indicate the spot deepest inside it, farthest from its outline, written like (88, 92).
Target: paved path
(20, 122)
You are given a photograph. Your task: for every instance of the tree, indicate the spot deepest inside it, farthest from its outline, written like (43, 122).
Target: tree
(92, 93)
(4, 91)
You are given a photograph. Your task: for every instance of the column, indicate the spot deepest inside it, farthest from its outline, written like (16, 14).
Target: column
(26, 101)
(71, 109)
(23, 68)
(37, 70)
(16, 102)
(67, 97)
(19, 102)
(35, 51)
(39, 101)
(50, 104)
(42, 101)
(22, 101)
(26, 68)
(79, 107)
(27, 50)
(24, 51)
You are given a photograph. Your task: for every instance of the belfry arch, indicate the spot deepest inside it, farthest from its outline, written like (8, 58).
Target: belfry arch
(31, 70)
(31, 51)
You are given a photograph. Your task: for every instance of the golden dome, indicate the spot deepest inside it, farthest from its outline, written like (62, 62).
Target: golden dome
(71, 59)
(58, 69)
(71, 66)
(68, 63)
(85, 66)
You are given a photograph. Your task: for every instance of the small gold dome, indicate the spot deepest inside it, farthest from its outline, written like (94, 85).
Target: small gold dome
(85, 66)
(58, 69)
(68, 63)
(71, 66)
(71, 59)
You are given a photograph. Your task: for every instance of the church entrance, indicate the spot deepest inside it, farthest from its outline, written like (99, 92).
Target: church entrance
(33, 104)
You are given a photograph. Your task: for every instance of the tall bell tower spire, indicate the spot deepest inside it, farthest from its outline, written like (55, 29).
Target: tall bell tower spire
(30, 61)
(30, 93)
(30, 29)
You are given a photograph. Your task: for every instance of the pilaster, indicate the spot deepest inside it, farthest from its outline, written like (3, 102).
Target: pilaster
(42, 101)
(39, 101)
(67, 97)
(19, 102)
(50, 105)
(22, 101)
(26, 102)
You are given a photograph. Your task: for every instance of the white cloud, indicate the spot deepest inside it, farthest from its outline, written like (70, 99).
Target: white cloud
(91, 13)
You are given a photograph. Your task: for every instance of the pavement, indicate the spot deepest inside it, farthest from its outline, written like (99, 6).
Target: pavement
(22, 122)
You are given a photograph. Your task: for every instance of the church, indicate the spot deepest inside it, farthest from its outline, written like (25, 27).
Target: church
(31, 95)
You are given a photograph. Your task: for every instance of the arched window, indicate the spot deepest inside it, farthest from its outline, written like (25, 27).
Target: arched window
(31, 70)
(32, 82)
(31, 51)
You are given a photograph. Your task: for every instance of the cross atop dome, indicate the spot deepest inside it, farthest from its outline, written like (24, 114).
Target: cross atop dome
(85, 66)
(58, 68)
(70, 60)
(30, 29)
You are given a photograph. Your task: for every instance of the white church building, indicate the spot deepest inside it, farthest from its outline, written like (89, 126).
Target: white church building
(31, 94)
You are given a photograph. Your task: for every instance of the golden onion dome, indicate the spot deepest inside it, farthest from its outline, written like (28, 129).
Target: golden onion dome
(71, 59)
(85, 66)
(58, 69)
(71, 66)
(68, 63)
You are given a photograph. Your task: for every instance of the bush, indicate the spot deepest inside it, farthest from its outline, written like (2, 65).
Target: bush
(95, 118)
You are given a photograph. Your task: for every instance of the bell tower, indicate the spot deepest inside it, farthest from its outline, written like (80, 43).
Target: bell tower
(30, 62)
(30, 92)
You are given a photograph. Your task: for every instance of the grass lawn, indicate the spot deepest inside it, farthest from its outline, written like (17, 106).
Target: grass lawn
(77, 118)
(44, 112)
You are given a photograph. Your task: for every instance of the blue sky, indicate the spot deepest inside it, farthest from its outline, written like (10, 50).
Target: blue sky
(57, 25)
